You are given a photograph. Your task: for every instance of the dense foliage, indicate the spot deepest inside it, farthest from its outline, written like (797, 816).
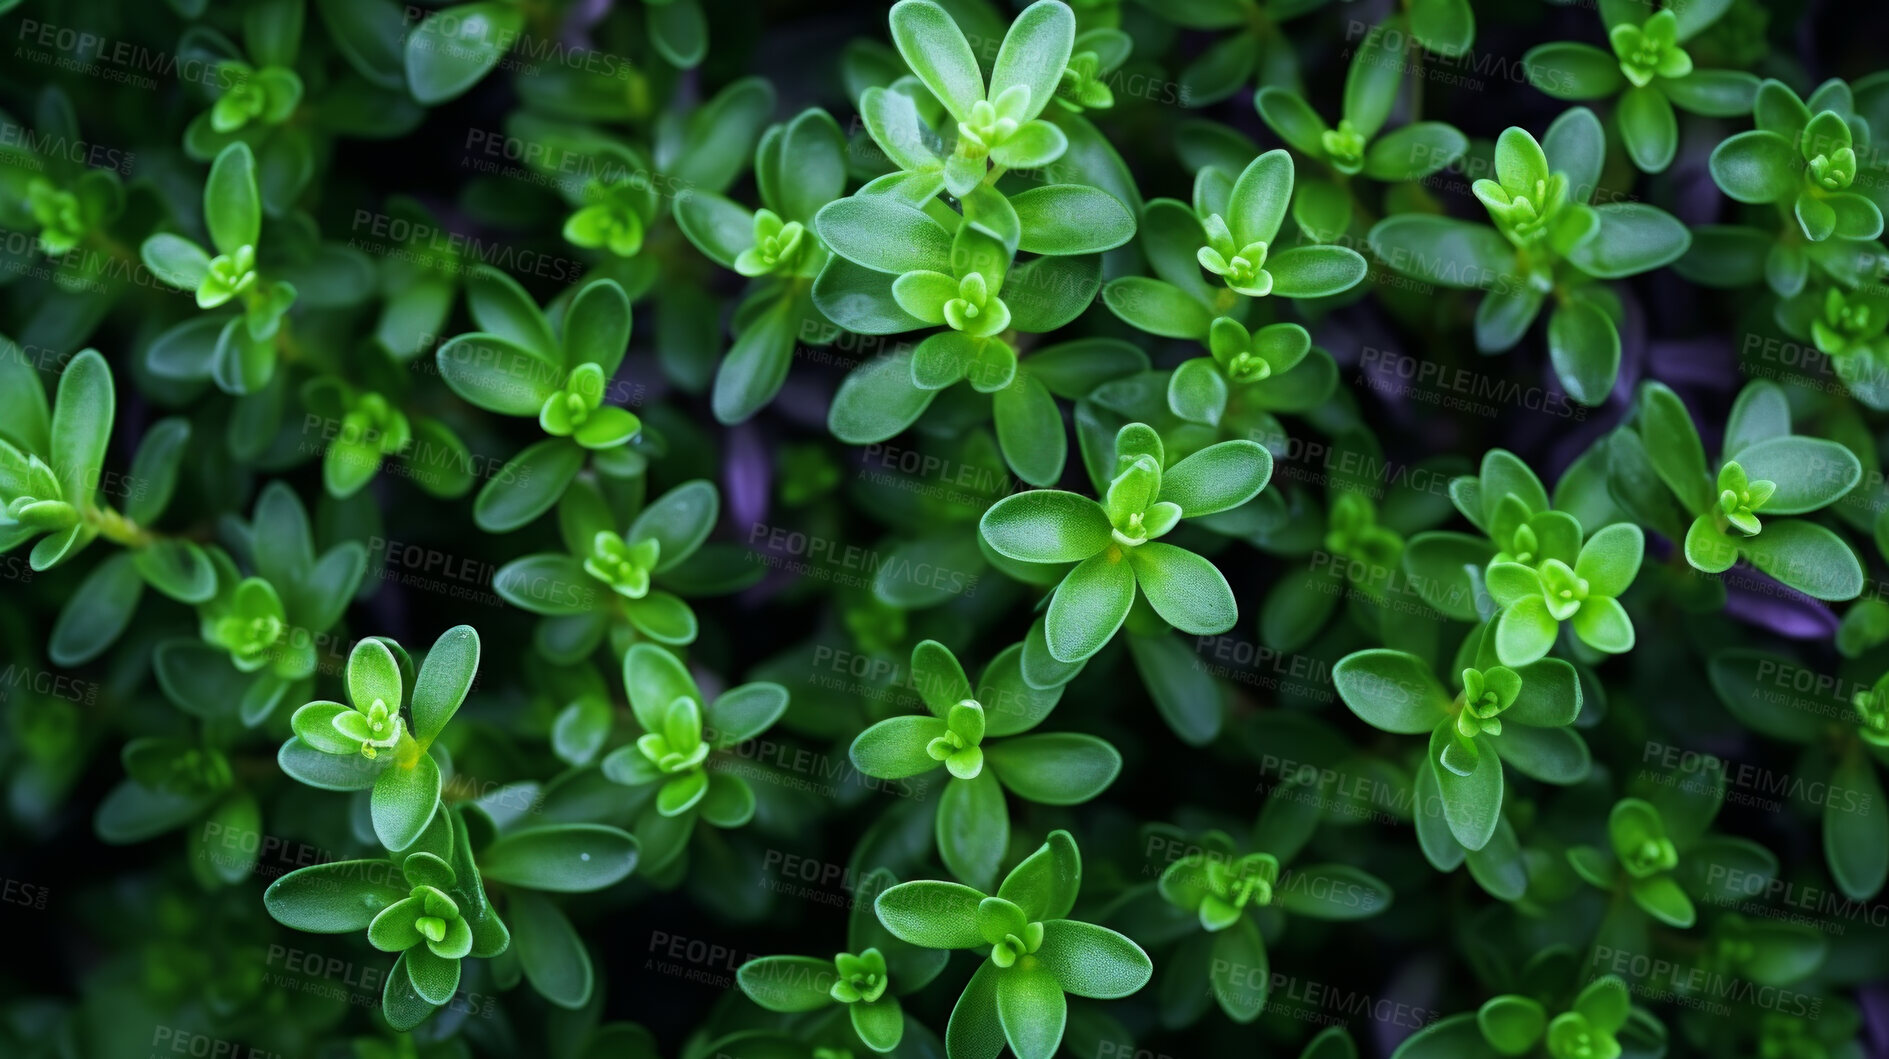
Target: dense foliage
(545, 528)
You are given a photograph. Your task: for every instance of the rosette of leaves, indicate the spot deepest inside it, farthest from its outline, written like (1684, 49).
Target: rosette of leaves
(1650, 72)
(1658, 853)
(373, 743)
(239, 352)
(609, 582)
(1113, 543)
(1095, 55)
(1538, 591)
(364, 428)
(799, 167)
(1846, 323)
(1232, 381)
(1600, 1021)
(54, 490)
(1354, 147)
(989, 125)
(678, 765)
(899, 267)
(173, 782)
(1844, 742)
(1518, 715)
(976, 733)
(1545, 240)
(1237, 900)
(1034, 957)
(258, 632)
(864, 982)
(255, 94)
(1230, 232)
(428, 904)
(514, 365)
(1814, 160)
(71, 205)
(1764, 471)
(1507, 502)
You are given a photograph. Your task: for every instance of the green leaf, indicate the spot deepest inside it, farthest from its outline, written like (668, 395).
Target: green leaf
(501, 307)
(756, 365)
(1371, 84)
(1032, 1009)
(1444, 251)
(1512, 1025)
(1551, 755)
(1472, 804)
(1046, 526)
(498, 374)
(679, 31)
(81, 425)
(1446, 27)
(97, 612)
(884, 234)
(1293, 119)
(937, 52)
(1674, 447)
(935, 915)
(1056, 768)
(1316, 271)
(1810, 473)
(405, 798)
(339, 897)
(973, 829)
(1217, 478)
(1807, 557)
(1413, 152)
(681, 519)
(445, 678)
(178, 568)
(1033, 55)
(1030, 430)
(895, 748)
(1585, 349)
(1573, 71)
(1071, 219)
(175, 260)
(560, 858)
(1649, 127)
(1331, 891)
(1856, 827)
(1633, 238)
(1092, 961)
(1239, 972)
(1186, 590)
(1045, 884)
(527, 485)
(1157, 307)
(1713, 93)
(788, 983)
(549, 950)
(1260, 198)
(877, 401)
(455, 47)
(1757, 167)
(1391, 690)
(232, 210)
